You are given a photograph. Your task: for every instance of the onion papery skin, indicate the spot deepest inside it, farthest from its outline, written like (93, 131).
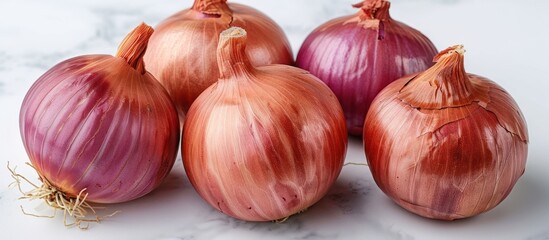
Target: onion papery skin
(358, 55)
(263, 143)
(445, 144)
(182, 51)
(93, 122)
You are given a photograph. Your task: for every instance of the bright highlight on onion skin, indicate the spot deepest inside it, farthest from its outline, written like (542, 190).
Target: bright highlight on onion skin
(101, 123)
(444, 143)
(182, 51)
(358, 55)
(262, 143)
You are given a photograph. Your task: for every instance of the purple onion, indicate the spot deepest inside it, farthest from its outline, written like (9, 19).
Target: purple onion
(358, 55)
(102, 125)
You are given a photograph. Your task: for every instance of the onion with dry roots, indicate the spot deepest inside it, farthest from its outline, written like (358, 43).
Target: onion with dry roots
(446, 144)
(99, 128)
(182, 51)
(262, 143)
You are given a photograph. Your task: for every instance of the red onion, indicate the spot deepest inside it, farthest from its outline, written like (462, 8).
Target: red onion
(360, 54)
(262, 143)
(100, 125)
(446, 144)
(182, 50)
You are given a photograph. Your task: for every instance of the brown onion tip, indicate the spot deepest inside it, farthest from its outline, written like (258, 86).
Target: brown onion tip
(444, 85)
(374, 9)
(456, 49)
(231, 53)
(217, 8)
(199, 4)
(133, 47)
(234, 32)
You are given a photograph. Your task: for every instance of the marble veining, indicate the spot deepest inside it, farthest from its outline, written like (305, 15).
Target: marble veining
(505, 41)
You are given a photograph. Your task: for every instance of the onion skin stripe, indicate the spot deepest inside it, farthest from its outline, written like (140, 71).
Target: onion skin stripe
(66, 87)
(38, 102)
(95, 142)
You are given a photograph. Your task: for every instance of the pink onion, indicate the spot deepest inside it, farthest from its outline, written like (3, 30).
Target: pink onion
(444, 143)
(101, 124)
(360, 54)
(182, 51)
(262, 143)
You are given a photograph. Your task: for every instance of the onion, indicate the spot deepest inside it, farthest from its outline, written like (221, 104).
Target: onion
(360, 54)
(262, 143)
(182, 50)
(100, 126)
(445, 144)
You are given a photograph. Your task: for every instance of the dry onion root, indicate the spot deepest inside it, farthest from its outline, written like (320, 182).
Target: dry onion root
(355, 164)
(284, 219)
(75, 207)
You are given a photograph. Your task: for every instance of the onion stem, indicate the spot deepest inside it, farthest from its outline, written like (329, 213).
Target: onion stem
(133, 47)
(231, 57)
(374, 9)
(214, 8)
(445, 85)
(204, 4)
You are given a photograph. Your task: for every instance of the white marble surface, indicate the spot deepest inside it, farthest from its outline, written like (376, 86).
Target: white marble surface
(506, 41)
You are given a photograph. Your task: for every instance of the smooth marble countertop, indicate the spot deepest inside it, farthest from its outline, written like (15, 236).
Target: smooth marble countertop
(506, 41)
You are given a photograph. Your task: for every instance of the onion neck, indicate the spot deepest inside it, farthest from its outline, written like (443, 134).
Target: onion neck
(231, 54)
(213, 8)
(444, 85)
(373, 14)
(374, 10)
(133, 47)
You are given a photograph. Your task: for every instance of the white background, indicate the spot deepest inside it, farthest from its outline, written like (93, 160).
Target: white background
(506, 41)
